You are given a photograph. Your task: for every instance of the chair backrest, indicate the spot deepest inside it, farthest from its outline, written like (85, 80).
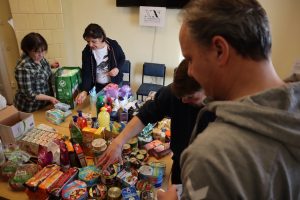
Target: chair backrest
(126, 69)
(155, 70)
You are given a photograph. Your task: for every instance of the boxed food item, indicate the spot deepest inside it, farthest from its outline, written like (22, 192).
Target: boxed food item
(14, 124)
(47, 183)
(129, 193)
(33, 183)
(55, 189)
(75, 190)
(67, 80)
(35, 137)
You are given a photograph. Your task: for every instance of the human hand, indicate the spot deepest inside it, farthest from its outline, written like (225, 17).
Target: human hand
(53, 100)
(55, 64)
(113, 72)
(81, 97)
(112, 154)
(170, 194)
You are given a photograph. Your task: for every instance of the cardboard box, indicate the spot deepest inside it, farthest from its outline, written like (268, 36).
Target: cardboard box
(14, 124)
(66, 86)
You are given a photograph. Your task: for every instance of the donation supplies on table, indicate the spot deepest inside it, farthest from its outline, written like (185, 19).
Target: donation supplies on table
(61, 167)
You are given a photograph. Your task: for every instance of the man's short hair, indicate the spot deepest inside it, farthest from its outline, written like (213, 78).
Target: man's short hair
(243, 23)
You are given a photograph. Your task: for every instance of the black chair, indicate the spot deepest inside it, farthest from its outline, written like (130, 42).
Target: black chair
(151, 70)
(126, 70)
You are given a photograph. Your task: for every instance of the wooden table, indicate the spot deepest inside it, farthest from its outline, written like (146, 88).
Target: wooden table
(63, 128)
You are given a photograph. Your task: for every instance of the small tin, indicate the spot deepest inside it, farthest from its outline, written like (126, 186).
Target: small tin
(147, 195)
(133, 142)
(114, 193)
(98, 192)
(126, 149)
(140, 157)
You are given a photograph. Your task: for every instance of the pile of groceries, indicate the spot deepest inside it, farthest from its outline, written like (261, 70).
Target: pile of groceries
(49, 165)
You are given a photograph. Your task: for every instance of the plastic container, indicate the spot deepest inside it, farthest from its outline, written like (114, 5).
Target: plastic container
(104, 119)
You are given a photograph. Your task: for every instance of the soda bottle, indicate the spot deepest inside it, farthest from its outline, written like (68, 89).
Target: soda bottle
(104, 119)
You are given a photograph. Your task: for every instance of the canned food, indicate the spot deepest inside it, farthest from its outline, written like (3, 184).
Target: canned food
(133, 142)
(140, 157)
(147, 195)
(126, 149)
(114, 193)
(98, 192)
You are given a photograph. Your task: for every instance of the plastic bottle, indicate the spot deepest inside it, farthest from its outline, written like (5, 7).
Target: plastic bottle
(99, 103)
(95, 123)
(64, 156)
(93, 100)
(2, 157)
(104, 119)
(81, 121)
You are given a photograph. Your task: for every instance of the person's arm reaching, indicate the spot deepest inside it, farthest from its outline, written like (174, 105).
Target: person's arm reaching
(43, 97)
(114, 150)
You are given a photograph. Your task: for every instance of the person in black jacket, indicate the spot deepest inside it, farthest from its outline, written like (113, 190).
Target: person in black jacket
(181, 101)
(102, 59)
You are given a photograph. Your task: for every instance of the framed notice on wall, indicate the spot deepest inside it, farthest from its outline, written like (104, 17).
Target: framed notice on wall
(152, 16)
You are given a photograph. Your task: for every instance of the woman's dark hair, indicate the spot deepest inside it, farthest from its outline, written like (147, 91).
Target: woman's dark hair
(183, 84)
(33, 42)
(94, 31)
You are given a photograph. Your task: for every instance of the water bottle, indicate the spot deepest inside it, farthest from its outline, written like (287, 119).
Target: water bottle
(104, 119)
(93, 100)
(2, 157)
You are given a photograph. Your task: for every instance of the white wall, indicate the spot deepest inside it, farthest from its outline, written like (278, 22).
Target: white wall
(140, 44)
(148, 44)
(284, 18)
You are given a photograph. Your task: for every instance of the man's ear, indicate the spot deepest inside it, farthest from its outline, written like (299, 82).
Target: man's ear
(221, 48)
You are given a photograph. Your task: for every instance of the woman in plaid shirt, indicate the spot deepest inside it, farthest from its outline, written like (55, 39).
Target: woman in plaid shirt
(33, 75)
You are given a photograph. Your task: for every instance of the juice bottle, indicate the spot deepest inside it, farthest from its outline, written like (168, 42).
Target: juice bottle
(104, 119)
(81, 121)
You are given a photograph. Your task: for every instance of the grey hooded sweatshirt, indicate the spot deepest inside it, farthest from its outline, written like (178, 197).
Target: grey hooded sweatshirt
(251, 151)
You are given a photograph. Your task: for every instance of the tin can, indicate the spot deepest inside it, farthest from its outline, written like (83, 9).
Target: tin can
(147, 195)
(98, 192)
(133, 142)
(126, 149)
(140, 157)
(114, 193)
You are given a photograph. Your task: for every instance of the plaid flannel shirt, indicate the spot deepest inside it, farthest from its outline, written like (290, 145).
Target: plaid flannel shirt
(32, 79)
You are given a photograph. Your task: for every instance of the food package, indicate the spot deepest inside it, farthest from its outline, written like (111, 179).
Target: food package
(33, 183)
(23, 173)
(129, 193)
(90, 175)
(8, 169)
(76, 190)
(47, 183)
(55, 116)
(128, 178)
(88, 135)
(67, 177)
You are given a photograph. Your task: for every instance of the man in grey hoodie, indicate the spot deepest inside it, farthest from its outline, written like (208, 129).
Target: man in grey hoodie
(252, 150)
